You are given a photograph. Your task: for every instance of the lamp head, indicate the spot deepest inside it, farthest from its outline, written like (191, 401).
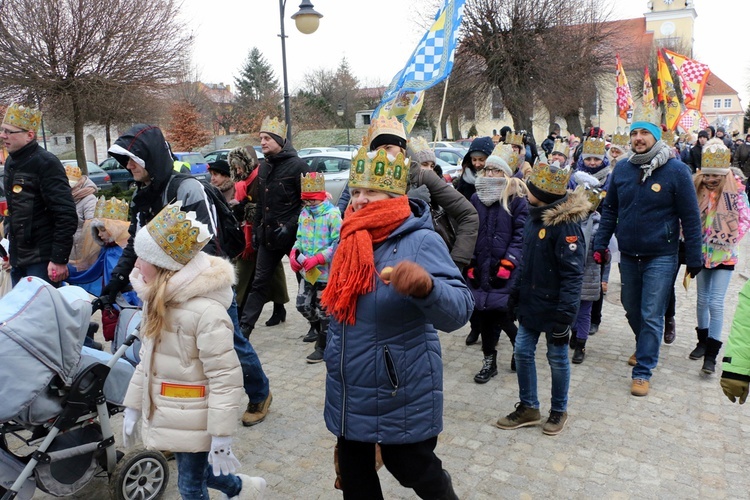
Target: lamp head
(307, 18)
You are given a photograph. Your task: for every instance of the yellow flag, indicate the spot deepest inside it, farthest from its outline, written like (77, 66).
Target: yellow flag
(667, 93)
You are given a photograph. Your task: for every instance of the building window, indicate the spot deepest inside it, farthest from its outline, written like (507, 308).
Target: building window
(498, 109)
(68, 140)
(717, 103)
(366, 119)
(728, 103)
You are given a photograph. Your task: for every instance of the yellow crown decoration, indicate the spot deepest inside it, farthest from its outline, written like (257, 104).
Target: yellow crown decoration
(23, 117)
(595, 195)
(505, 151)
(550, 179)
(669, 138)
(273, 126)
(561, 146)
(112, 209)
(178, 233)
(73, 173)
(594, 146)
(375, 170)
(715, 155)
(647, 113)
(313, 182)
(383, 125)
(621, 138)
(515, 139)
(418, 144)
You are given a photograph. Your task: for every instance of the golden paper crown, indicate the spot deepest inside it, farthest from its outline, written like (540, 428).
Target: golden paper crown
(384, 125)
(621, 139)
(647, 113)
(273, 126)
(669, 137)
(594, 146)
(515, 138)
(595, 195)
(73, 173)
(561, 146)
(313, 182)
(179, 234)
(23, 117)
(374, 170)
(715, 155)
(550, 179)
(112, 209)
(418, 144)
(505, 151)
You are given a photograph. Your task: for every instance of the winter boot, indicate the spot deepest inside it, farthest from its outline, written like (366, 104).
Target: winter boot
(278, 316)
(449, 493)
(573, 341)
(489, 369)
(312, 333)
(472, 337)
(700, 348)
(320, 346)
(670, 332)
(712, 350)
(580, 352)
(513, 352)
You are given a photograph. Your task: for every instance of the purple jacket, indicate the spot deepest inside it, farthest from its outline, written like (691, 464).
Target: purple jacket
(500, 236)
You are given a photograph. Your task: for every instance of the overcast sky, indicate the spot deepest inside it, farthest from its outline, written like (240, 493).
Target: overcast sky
(378, 36)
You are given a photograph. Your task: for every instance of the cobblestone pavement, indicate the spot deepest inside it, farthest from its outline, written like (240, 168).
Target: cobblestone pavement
(685, 440)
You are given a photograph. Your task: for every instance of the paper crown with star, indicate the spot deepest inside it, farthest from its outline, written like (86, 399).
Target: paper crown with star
(376, 170)
(716, 158)
(384, 126)
(515, 139)
(112, 209)
(172, 238)
(561, 146)
(273, 126)
(550, 179)
(23, 117)
(313, 182)
(594, 147)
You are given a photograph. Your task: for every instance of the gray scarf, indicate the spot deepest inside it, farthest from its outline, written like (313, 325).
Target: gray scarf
(490, 189)
(652, 159)
(469, 176)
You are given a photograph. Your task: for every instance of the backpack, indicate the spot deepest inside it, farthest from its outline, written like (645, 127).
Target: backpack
(230, 236)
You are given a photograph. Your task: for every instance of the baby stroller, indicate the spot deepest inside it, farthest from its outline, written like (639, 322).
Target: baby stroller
(59, 397)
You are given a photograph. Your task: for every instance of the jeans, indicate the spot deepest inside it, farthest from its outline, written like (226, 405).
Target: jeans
(557, 356)
(646, 286)
(712, 288)
(254, 379)
(583, 320)
(39, 270)
(195, 476)
(266, 262)
(414, 465)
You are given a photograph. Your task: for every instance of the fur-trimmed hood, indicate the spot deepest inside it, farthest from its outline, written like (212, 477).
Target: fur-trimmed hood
(575, 207)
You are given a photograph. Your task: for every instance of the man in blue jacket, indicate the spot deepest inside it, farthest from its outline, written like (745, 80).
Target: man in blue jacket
(651, 197)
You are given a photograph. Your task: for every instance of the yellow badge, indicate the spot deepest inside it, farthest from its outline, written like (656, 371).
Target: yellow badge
(182, 390)
(542, 233)
(656, 187)
(17, 188)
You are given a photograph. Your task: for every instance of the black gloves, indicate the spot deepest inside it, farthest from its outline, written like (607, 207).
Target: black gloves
(693, 271)
(559, 335)
(117, 284)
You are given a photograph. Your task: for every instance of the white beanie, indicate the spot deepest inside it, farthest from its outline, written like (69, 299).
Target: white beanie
(497, 162)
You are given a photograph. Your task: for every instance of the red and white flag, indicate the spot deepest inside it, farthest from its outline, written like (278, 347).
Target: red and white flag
(624, 96)
(693, 73)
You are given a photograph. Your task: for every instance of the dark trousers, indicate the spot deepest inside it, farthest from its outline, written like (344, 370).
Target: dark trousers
(490, 323)
(672, 304)
(414, 465)
(596, 309)
(265, 265)
(39, 270)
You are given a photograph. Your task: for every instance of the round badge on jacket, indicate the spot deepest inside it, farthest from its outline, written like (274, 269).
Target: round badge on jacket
(656, 187)
(17, 188)
(542, 233)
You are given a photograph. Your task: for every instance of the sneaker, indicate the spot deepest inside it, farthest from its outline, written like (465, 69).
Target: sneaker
(639, 387)
(252, 488)
(315, 357)
(257, 412)
(593, 329)
(522, 416)
(632, 361)
(555, 423)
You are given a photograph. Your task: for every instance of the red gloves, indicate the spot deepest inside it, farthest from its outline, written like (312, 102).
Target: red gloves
(296, 266)
(409, 278)
(506, 266)
(315, 260)
(602, 256)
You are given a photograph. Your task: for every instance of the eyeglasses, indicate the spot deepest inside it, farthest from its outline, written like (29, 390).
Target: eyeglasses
(5, 131)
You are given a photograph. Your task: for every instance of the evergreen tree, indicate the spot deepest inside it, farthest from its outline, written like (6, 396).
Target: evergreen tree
(258, 93)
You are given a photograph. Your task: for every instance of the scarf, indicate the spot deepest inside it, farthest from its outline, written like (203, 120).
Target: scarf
(82, 189)
(469, 177)
(720, 218)
(600, 173)
(652, 159)
(353, 267)
(490, 189)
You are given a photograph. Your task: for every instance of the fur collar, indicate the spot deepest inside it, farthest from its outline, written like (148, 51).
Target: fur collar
(574, 208)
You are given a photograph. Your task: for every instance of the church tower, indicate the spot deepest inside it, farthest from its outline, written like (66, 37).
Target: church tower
(672, 23)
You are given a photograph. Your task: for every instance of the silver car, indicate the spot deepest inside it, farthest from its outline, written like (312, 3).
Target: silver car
(335, 166)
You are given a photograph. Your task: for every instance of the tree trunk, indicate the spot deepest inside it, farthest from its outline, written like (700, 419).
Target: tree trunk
(108, 134)
(574, 124)
(78, 135)
(454, 127)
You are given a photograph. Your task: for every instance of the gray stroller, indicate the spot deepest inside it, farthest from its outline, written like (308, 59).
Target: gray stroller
(58, 398)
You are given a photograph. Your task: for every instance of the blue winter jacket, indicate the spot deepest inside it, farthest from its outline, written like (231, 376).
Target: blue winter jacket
(500, 237)
(385, 372)
(647, 217)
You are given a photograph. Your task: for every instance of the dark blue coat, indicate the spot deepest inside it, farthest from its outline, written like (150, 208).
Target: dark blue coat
(385, 372)
(500, 237)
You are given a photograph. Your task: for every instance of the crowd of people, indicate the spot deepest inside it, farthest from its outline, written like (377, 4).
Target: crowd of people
(523, 243)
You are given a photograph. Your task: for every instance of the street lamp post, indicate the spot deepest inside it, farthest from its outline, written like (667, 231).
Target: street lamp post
(340, 112)
(307, 21)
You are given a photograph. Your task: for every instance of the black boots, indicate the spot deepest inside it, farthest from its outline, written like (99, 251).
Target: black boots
(449, 493)
(700, 348)
(473, 337)
(712, 350)
(580, 352)
(489, 369)
(320, 345)
(312, 333)
(670, 332)
(278, 316)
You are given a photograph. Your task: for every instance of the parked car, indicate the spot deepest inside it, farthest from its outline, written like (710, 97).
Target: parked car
(198, 164)
(450, 172)
(464, 143)
(120, 176)
(307, 151)
(221, 154)
(443, 144)
(347, 147)
(454, 156)
(96, 174)
(334, 165)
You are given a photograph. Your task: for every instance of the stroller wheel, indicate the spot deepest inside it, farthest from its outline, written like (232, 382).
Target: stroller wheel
(139, 475)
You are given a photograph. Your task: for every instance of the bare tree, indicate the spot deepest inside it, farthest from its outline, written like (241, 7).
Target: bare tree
(75, 50)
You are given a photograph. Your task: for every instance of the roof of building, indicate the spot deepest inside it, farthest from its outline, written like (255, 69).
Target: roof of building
(717, 86)
(631, 41)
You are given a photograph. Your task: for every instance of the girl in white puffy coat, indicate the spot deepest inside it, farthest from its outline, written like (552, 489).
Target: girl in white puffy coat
(187, 390)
